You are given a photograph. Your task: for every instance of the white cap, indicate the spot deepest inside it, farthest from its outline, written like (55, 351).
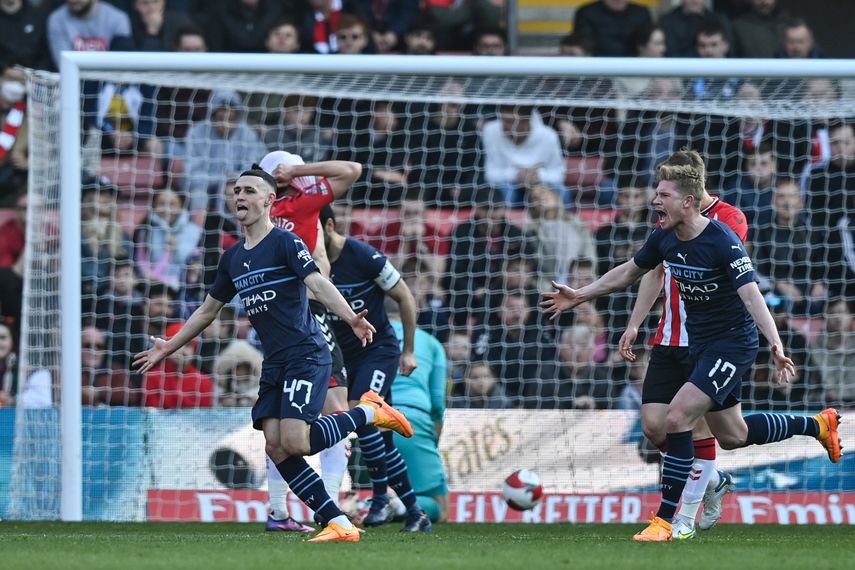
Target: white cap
(273, 159)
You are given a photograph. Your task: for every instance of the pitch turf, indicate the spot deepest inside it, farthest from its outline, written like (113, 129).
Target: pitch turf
(93, 546)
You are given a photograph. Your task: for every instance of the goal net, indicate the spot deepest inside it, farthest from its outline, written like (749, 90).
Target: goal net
(481, 189)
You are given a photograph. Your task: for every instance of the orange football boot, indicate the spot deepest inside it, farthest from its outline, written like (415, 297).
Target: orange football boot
(828, 420)
(334, 532)
(659, 530)
(386, 416)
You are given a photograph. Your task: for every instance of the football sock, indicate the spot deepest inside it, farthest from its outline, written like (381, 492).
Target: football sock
(343, 522)
(769, 428)
(396, 470)
(675, 470)
(374, 455)
(702, 471)
(333, 466)
(277, 492)
(306, 484)
(326, 431)
(429, 506)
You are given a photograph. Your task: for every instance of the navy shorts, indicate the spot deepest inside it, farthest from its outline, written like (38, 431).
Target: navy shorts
(720, 368)
(294, 390)
(374, 369)
(668, 370)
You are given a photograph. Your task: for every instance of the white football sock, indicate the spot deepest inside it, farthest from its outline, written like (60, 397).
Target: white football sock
(277, 491)
(333, 466)
(702, 471)
(343, 522)
(369, 413)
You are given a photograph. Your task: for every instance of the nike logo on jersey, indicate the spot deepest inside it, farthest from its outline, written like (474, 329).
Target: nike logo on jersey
(246, 264)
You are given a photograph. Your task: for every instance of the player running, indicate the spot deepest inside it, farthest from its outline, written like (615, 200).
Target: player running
(302, 190)
(270, 269)
(671, 364)
(718, 286)
(365, 277)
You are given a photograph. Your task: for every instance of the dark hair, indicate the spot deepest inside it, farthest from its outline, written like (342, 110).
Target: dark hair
(188, 30)
(793, 23)
(641, 35)
(327, 213)
(712, 28)
(283, 21)
(347, 21)
(156, 289)
(578, 39)
(256, 170)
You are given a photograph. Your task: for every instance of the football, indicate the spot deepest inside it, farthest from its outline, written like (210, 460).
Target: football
(522, 489)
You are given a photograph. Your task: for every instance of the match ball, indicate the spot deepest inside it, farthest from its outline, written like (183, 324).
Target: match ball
(522, 489)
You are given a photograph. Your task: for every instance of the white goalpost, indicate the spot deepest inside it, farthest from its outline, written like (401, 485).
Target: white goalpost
(338, 86)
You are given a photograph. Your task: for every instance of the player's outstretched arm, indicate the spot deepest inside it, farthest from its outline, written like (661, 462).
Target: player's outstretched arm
(198, 321)
(756, 306)
(402, 295)
(565, 298)
(326, 293)
(648, 292)
(340, 174)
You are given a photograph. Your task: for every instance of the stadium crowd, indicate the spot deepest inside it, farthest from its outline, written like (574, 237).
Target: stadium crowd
(479, 206)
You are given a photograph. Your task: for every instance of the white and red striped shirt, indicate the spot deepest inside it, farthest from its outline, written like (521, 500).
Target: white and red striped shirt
(672, 325)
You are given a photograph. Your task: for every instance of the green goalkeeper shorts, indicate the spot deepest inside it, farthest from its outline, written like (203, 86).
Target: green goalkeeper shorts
(420, 453)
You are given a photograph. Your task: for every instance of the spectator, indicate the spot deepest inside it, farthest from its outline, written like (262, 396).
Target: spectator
(12, 235)
(320, 25)
(648, 40)
(298, 132)
(561, 236)
(432, 313)
(610, 23)
(834, 354)
(518, 348)
(154, 27)
(755, 188)
(353, 35)
(758, 33)
(85, 25)
(103, 383)
(283, 37)
(239, 26)
(479, 248)
(480, 389)
(783, 251)
(630, 396)
(189, 39)
(130, 331)
(126, 118)
(420, 40)
(217, 147)
(8, 367)
(834, 257)
(830, 185)
(14, 142)
(389, 20)
(121, 300)
(412, 236)
(23, 35)
(166, 239)
(490, 43)
(221, 231)
(237, 371)
(455, 23)
(681, 27)
(446, 150)
(176, 382)
(712, 42)
(576, 44)
(219, 335)
(798, 41)
(520, 151)
(103, 241)
(458, 347)
(582, 385)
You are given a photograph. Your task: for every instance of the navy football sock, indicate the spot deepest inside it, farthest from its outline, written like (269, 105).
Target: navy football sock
(769, 428)
(676, 466)
(374, 455)
(326, 431)
(308, 487)
(396, 470)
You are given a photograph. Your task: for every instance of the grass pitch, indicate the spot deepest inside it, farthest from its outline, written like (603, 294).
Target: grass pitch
(93, 546)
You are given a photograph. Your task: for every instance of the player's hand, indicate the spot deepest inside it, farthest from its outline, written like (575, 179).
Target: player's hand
(407, 363)
(283, 174)
(627, 339)
(148, 359)
(363, 330)
(786, 367)
(559, 301)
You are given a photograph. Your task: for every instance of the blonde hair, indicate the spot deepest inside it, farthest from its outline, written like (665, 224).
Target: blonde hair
(685, 168)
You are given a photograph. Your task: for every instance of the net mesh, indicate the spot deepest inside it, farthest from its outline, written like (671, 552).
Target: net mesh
(159, 149)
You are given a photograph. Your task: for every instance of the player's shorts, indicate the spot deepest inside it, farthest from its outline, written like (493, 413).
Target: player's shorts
(373, 368)
(669, 368)
(294, 390)
(339, 373)
(720, 367)
(420, 453)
